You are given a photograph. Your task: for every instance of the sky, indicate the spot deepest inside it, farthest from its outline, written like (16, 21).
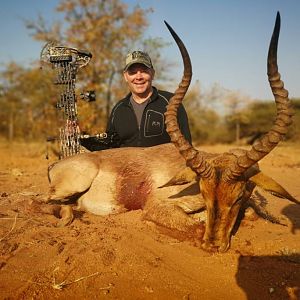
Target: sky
(227, 40)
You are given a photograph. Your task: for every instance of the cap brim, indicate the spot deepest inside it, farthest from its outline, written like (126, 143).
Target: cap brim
(137, 62)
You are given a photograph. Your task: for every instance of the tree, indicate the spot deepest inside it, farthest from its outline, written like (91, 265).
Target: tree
(11, 100)
(204, 122)
(261, 115)
(27, 100)
(294, 132)
(237, 115)
(108, 30)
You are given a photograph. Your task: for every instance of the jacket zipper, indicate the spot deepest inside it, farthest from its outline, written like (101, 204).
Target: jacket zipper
(137, 124)
(143, 121)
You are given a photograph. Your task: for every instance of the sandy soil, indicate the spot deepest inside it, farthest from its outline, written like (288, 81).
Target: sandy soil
(123, 257)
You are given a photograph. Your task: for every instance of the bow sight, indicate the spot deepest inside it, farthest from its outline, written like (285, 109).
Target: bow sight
(66, 62)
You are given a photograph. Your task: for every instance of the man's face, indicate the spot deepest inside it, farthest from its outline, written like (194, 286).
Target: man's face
(139, 79)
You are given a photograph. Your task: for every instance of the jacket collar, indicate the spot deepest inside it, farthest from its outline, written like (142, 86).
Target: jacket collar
(153, 97)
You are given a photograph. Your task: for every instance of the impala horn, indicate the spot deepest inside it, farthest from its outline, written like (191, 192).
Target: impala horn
(194, 159)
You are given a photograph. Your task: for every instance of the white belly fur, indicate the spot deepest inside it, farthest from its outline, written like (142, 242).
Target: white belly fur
(100, 199)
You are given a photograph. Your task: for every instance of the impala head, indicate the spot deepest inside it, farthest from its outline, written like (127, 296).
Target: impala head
(227, 180)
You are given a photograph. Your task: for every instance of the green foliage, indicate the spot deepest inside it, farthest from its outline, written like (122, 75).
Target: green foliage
(258, 117)
(27, 106)
(294, 132)
(205, 123)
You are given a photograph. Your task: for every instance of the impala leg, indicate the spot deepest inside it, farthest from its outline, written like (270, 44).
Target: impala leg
(173, 221)
(67, 216)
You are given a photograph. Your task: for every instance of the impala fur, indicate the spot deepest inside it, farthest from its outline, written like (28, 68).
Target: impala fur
(158, 181)
(116, 180)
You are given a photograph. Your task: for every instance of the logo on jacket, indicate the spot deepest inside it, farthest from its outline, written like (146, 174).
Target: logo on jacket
(156, 124)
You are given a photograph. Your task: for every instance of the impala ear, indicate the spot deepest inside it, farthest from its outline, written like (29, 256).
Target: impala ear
(271, 186)
(182, 177)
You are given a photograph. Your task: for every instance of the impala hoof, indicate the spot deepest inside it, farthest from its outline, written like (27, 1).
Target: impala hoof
(66, 214)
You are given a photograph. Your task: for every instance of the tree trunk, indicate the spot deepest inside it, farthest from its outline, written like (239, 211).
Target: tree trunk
(237, 132)
(11, 126)
(108, 95)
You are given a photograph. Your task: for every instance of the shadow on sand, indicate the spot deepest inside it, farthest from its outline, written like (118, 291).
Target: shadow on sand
(270, 277)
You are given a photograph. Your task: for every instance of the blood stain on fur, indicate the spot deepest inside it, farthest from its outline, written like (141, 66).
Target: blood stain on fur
(133, 188)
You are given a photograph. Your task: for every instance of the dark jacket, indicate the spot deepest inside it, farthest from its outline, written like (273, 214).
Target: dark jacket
(123, 123)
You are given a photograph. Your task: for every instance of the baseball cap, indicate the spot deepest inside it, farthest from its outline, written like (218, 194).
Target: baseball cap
(138, 57)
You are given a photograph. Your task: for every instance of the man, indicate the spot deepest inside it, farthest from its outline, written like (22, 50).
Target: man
(138, 119)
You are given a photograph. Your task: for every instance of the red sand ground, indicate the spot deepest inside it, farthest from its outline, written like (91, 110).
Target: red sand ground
(123, 257)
